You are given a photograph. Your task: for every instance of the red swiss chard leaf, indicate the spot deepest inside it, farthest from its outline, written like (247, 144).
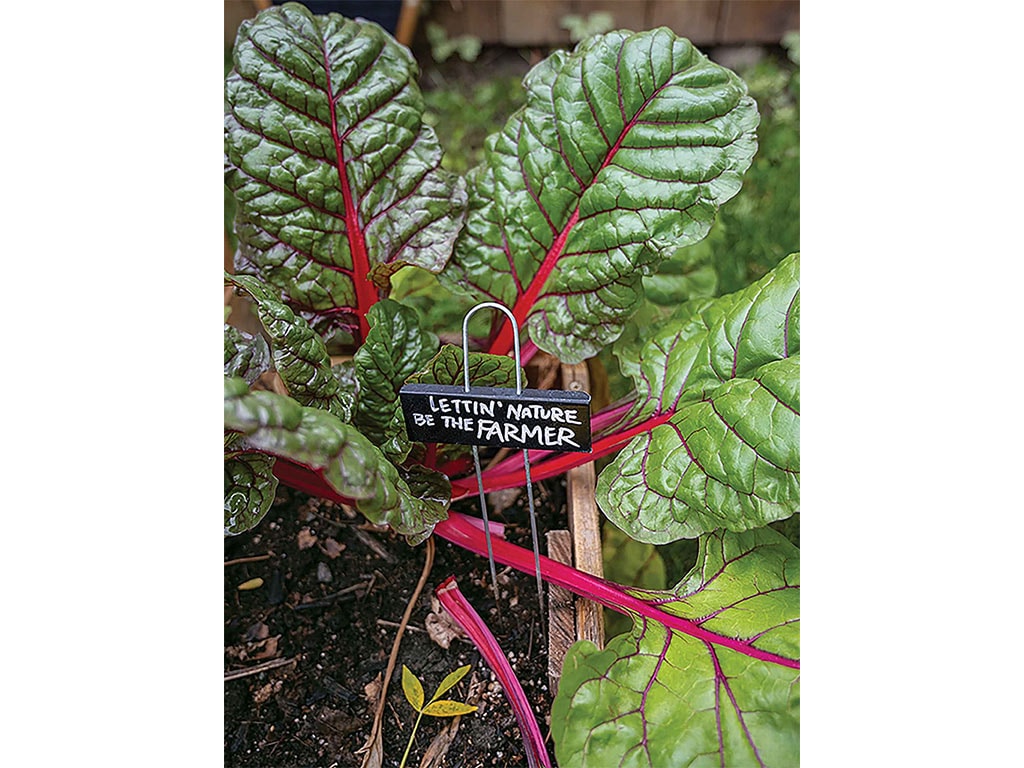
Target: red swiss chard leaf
(624, 152)
(336, 176)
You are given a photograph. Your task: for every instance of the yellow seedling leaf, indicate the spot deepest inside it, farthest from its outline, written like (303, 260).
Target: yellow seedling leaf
(413, 689)
(251, 584)
(446, 708)
(449, 682)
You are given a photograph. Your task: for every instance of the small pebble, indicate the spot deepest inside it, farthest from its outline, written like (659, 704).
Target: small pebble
(323, 573)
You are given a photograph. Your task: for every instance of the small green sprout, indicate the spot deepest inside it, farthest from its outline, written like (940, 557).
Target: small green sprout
(437, 707)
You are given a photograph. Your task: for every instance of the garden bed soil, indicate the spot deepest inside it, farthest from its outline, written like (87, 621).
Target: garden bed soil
(333, 592)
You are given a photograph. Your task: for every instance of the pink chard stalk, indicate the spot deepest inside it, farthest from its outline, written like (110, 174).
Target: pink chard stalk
(462, 612)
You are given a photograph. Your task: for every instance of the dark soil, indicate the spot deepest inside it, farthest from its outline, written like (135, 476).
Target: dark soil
(315, 711)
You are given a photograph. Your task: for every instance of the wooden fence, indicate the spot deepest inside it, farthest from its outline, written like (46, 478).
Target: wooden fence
(538, 22)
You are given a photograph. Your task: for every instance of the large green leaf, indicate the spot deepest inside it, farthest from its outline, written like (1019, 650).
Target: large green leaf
(719, 386)
(657, 697)
(249, 488)
(395, 348)
(624, 152)
(300, 356)
(354, 467)
(334, 172)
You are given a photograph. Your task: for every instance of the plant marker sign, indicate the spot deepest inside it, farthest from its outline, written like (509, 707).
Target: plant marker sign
(524, 419)
(550, 420)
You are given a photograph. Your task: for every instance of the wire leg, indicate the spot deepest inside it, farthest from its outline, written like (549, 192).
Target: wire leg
(533, 530)
(487, 526)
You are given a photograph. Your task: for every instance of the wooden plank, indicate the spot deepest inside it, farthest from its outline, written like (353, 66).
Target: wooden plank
(628, 14)
(535, 22)
(757, 21)
(408, 17)
(468, 17)
(696, 20)
(561, 612)
(235, 12)
(584, 523)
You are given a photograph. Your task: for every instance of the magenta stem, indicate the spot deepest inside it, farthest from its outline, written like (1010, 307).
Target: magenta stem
(458, 530)
(462, 612)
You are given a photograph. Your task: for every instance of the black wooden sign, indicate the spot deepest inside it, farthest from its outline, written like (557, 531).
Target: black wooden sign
(548, 419)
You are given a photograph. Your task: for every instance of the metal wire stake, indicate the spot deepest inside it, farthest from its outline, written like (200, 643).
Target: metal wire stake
(533, 530)
(526, 456)
(487, 525)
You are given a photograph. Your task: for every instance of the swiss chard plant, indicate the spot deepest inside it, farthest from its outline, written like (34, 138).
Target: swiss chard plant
(623, 154)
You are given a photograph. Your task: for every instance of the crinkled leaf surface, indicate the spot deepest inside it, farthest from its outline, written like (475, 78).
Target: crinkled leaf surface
(623, 152)
(432, 490)
(334, 172)
(395, 348)
(349, 463)
(348, 388)
(244, 355)
(657, 697)
(300, 356)
(249, 488)
(719, 388)
(484, 370)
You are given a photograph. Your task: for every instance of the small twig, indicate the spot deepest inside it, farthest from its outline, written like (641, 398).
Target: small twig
(378, 719)
(385, 623)
(373, 544)
(328, 599)
(267, 665)
(332, 521)
(251, 559)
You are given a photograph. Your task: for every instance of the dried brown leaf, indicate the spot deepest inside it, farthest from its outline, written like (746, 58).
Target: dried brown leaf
(262, 694)
(440, 627)
(265, 649)
(372, 691)
(332, 548)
